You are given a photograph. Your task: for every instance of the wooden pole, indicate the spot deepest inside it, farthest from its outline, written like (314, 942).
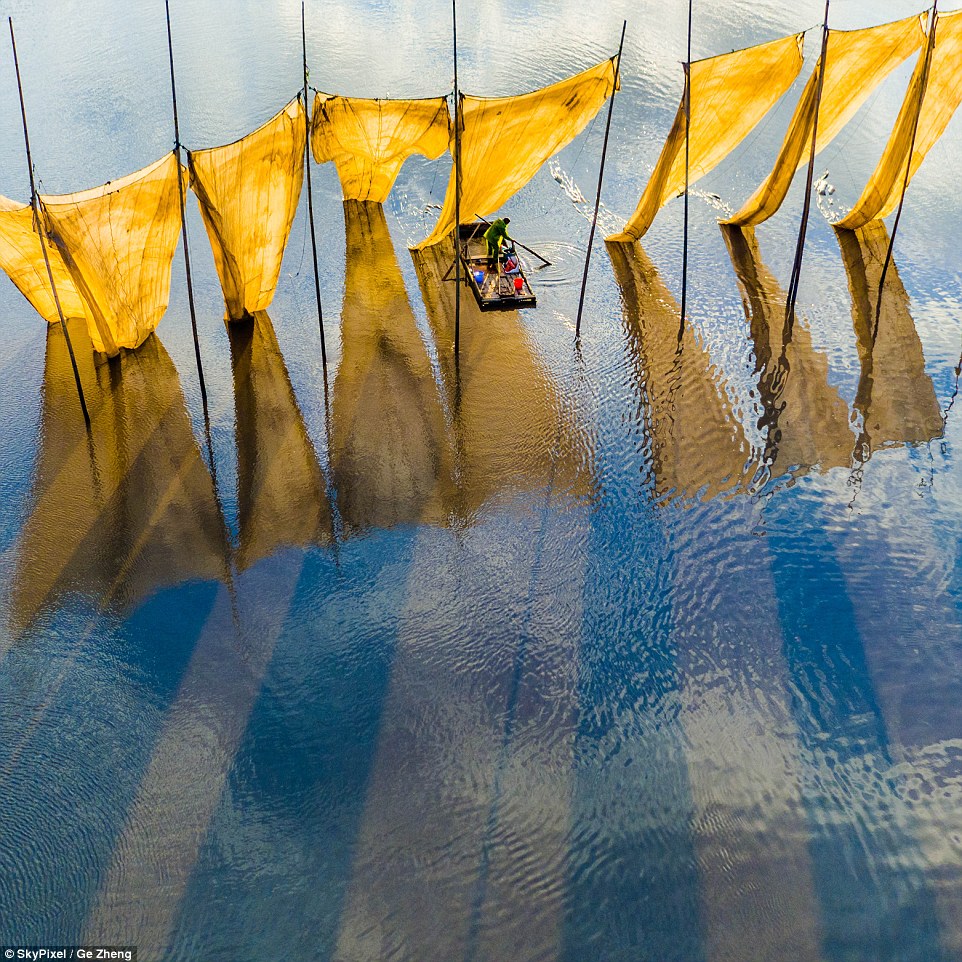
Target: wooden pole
(183, 211)
(930, 47)
(803, 227)
(41, 232)
(457, 188)
(310, 195)
(601, 174)
(684, 255)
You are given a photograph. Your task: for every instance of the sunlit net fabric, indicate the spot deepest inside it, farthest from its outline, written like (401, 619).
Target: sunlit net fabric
(369, 140)
(933, 105)
(505, 140)
(281, 492)
(21, 257)
(804, 418)
(857, 61)
(126, 508)
(698, 446)
(248, 193)
(118, 242)
(730, 94)
(391, 454)
(895, 397)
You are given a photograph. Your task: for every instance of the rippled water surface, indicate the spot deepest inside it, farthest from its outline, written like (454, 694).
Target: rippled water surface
(641, 650)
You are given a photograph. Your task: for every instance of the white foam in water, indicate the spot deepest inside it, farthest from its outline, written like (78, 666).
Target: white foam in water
(713, 201)
(608, 221)
(825, 198)
(567, 183)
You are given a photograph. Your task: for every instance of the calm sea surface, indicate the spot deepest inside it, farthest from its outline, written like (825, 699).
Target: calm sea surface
(630, 651)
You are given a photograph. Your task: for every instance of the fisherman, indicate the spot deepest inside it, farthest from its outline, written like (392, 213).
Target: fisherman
(496, 235)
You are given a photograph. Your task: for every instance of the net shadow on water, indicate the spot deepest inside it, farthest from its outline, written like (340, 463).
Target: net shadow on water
(656, 660)
(391, 450)
(126, 509)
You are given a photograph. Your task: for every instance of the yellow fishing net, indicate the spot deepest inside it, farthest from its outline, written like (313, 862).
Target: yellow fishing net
(123, 509)
(248, 193)
(281, 492)
(857, 61)
(118, 242)
(391, 455)
(804, 418)
(369, 140)
(505, 140)
(21, 257)
(933, 105)
(895, 396)
(698, 446)
(729, 96)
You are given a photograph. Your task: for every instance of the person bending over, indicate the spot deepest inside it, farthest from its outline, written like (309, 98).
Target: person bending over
(496, 235)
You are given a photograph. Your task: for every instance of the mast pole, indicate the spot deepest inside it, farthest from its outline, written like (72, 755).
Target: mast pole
(310, 195)
(601, 175)
(39, 227)
(803, 227)
(929, 50)
(457, 188)
(684, 255)
(183, 211)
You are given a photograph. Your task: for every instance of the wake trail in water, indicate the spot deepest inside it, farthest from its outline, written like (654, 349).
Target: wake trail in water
(611, 222)
(608, 221)
(825, 198)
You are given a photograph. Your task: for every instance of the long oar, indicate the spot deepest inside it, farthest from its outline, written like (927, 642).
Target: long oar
(544, 260)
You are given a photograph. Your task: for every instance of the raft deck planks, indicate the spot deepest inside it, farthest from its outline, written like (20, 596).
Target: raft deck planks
(495, 291)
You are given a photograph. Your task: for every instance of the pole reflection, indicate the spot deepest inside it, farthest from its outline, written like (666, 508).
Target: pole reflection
(895, 397)
(698, 447)
(804, 418)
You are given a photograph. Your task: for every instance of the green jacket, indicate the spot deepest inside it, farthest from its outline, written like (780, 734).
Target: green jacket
(498, 229)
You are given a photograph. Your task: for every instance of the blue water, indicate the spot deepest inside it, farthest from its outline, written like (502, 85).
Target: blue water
(622, 650)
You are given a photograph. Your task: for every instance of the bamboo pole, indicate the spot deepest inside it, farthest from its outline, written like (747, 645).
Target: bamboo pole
(457, 188)
(310, 195)
(803, 227)
(930, 48)
(684, 255)
(183, 211)
(601, 174)
(41, 232)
